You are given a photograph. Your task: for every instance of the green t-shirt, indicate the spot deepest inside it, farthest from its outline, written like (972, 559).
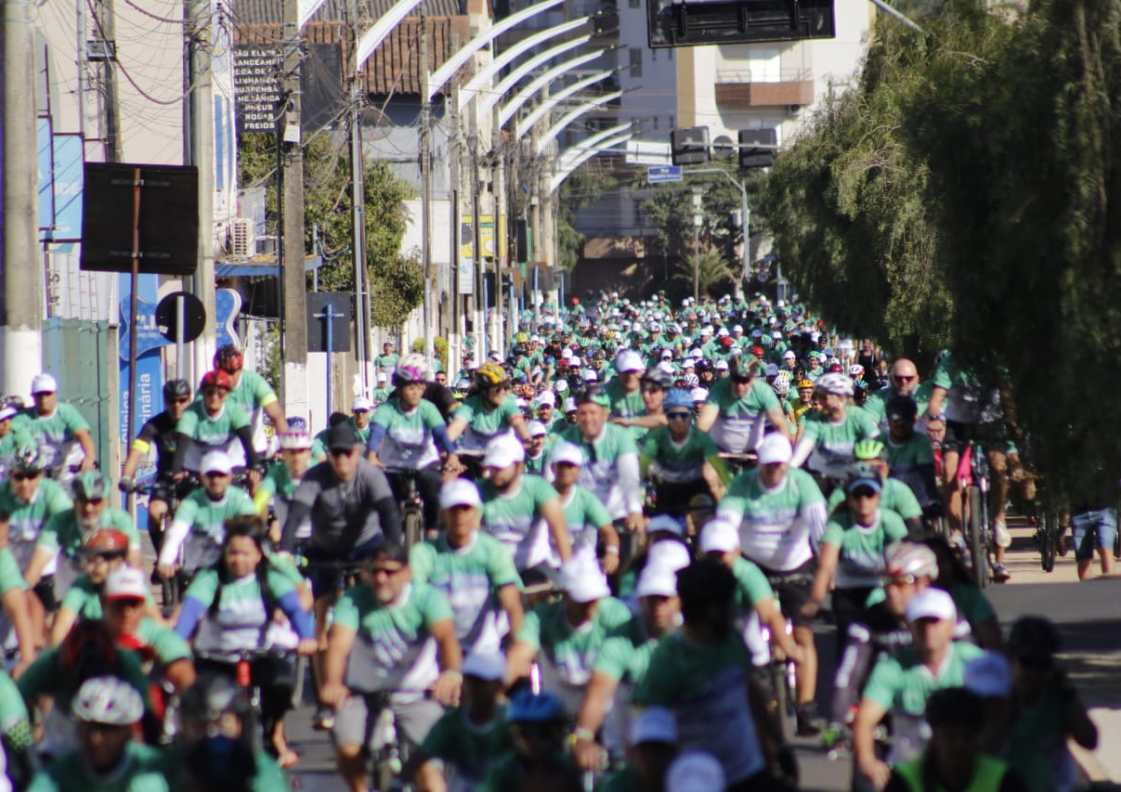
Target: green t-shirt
(862, 563)
(896, 496)
(83, 598)
(268, 778)
(514, 519)
(706, 687)
(55, 432)
(741, 421)
(212, 431)
(242, 615)
(752, 586)
(251, 393)
(625, 655)
(387, 362)
(910, 455)
(389, 649)
(276, 481)
(161, 643)
(144, 770)
(484, 421)
(776, 525)
(600, 472)
(679, 463)
(626, 405)
(62, 531)
(832, 442)
(469, 577)
(319, 442)
(408, 442)
(206, 519)
(26, 520)
(47, 676)
(467, 747)
(584, 514)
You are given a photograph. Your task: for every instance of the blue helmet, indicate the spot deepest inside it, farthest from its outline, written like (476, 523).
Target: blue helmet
(678, 397)
(526, 707)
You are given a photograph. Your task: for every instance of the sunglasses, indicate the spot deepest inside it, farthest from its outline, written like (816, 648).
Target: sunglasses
(214, 392)
(340, 452)
(25, 476)
(386, 571)
(212, 474)
(94, 501)
(184, 400)
(679, 416)
(902, 580)
(903, 378)
(863, 492)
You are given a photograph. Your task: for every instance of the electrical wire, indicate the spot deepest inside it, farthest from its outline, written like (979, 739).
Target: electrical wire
(120, 67)
(150, 15)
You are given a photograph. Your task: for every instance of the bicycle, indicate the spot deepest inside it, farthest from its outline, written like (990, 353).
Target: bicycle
(240, 662)
(411, 505)
(978, 529)
(171, 590)
(738, 463)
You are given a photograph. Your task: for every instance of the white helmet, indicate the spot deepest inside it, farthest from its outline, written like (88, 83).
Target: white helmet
(108, 700)
(837, 384)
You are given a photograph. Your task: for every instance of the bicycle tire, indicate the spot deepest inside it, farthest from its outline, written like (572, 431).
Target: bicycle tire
(978, 552)
(784, 700)
(413, 527)
(1048, 541)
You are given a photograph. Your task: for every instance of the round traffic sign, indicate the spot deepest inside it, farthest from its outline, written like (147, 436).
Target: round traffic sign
(194, 316)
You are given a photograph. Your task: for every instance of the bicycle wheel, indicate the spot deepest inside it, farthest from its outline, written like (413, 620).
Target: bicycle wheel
(1048, 541)
(414, 526)
(978, 549)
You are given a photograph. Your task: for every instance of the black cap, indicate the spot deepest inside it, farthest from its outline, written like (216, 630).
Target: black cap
(341, 437)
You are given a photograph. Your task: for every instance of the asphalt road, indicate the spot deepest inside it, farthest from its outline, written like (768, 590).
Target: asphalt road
(1087, 615)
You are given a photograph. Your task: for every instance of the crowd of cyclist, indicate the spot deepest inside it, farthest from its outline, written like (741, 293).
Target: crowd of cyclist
(625, 527)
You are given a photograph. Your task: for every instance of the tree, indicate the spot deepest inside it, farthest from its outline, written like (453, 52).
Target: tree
(396, 281)
(707, 272)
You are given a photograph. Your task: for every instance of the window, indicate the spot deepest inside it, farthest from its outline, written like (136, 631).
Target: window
(636, 61)
(763, 64)
(634, 3)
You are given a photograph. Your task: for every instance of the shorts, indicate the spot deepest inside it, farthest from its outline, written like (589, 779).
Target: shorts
(44, 590)
(792, 588)
(1083, 528)
(356, 718)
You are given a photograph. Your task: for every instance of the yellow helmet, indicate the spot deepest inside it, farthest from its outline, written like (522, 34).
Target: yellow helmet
(490, 374)
(805, 384)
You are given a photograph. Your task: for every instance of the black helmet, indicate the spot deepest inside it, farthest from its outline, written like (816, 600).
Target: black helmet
(176, 389)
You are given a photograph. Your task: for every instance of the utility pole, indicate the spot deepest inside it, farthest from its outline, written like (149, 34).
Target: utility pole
(455, 337)
(23, 266)
(106, 26)
(358, 204)
(199, 134)
(426, 194)
(294, 329)
(698, 219)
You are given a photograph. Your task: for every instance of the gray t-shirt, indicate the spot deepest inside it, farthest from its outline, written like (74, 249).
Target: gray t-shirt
(344, 514)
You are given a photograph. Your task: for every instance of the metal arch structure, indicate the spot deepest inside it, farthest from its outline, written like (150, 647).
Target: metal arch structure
(506, 112)
(506, 57)
(544, 141)
(584, 156)
(375, 35)
(307, 9)
(523, 124)
(510, 80)
(444, 73)
(592, 141)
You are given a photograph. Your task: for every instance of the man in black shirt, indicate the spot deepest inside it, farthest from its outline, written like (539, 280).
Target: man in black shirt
(159, 431)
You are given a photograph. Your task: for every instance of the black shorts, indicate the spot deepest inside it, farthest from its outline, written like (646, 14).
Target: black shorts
(792, 588)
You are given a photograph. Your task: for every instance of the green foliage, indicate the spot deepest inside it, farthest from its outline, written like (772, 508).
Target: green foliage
(439, 346)
(707, 271)
(396, 281)
(968, 194)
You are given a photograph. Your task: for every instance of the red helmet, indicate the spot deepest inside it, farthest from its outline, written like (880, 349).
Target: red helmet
(229, 359)
(726, 342)
(106, 540)
(216, 379)
(757, 351)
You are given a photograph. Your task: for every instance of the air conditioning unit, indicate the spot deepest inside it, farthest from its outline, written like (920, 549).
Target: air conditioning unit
(242, 243)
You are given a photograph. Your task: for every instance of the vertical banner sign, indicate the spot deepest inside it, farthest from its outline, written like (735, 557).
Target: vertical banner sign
(149, 369)
(257, 86)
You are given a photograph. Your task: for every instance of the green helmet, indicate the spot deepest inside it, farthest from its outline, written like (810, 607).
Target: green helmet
(28, 457)
(868, 449)
(89, 486)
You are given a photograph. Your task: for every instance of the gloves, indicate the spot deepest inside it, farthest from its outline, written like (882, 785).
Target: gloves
(126, 485)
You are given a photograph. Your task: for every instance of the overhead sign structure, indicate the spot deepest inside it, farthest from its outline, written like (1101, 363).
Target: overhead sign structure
(688, 23)
(663, 174)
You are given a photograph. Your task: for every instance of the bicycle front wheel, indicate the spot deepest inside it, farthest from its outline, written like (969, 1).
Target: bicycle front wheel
(414, 527)
(978, 548)
(1048, 540)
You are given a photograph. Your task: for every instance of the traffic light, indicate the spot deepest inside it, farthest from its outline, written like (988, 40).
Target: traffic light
(689, 146)
(757, 148)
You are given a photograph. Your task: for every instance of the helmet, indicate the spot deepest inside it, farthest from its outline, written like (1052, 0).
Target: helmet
(781, 383)
(229, 359)
(108, 700)
(28, 457)
(691, 380)
(106, 540)
(528, 707)
(91, 485)
(862, 470)
(490, 374)
(856, 371)
(294, 440)
(868, 449)
(908, 558)
(212, 697)
(837, 384)
(678, 398)
(805, 384)
(216, 379)
(658, 376)
(176, 389)
(411, 368)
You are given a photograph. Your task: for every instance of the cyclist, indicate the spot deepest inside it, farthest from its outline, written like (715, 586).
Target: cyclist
(516, 507)
(827, 437)
(473, 570)
(737, 410)
(781, 517)
(488, 412)
(106, 710)
(654, 385)
(611, 470)
(565, 635)
(64, 533)
(680, 459)
(589, 523)
(319, 442)
(407, 436)
(909, 453)
(928, 396)
(902, 686)
(248, 389)
(199, 525)
(535, 456)
(215, 748)
(212, 424)
(282, 476)
(11, 438)
(24, 621)
(159, 432)
(382, 391)
(805, 400)
(231, 605)
(387, 360)
(378, 657)
(58, 427)
(539, 760)
(895, 495)
(360, 413)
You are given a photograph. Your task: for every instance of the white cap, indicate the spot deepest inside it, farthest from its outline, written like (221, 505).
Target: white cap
(43, 383)
(362, 404)
(776, 334)
(459, 492)
(721, 365)
(722, 332)
(989, 675)
(656, 580)
(567, 452)
(720, 536)
(522, 403)
(789, 355)
(589, 375)
(706, 330)
(382, 376)
(489, 666)
(695, 772)
(667, 354)
(503, 451)
(216, 462)
(125, 583)
(570, 404)
(629, 360)
(654, 724)
(737, 329)
(774, 449)
(294, 441)
(696, 354)
(537, 429)
(688, 363)
(698, 394)
(666, 523)
(931, 603)
(8, 411)
(583, 581)
(566, 354)
(668, 554)
(546, 398)
(561, 386)
(771, 370)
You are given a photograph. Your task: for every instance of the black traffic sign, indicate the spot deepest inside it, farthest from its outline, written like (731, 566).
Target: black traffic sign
(194, 316)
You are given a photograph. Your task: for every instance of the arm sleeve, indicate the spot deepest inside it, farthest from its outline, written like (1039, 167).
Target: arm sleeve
(245, 435)
(389, 518)
(377, 434)
(630, 481)
(805, 446)
(443, 442)
(189, 616)
(180, 527)
(301, 620)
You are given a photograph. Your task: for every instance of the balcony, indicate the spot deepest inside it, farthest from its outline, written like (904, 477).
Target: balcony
(741, 89)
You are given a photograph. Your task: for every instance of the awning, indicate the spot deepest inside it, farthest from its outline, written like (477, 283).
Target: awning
(259, 267)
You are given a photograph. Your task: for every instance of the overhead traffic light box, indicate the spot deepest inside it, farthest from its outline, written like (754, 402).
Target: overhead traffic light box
(689, 146)
(689, 23)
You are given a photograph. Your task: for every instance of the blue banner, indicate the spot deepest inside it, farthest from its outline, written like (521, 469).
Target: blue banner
(148, 336)
(227, 305)
(149, 368)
